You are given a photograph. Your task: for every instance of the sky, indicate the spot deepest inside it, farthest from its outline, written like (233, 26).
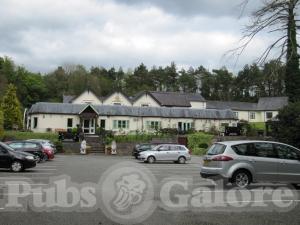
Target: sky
(44, 34)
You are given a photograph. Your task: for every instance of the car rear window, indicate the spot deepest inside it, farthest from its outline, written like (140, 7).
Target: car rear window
(216, 149)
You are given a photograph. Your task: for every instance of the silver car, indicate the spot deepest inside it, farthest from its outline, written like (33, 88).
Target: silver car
(166, 152)
(243, 162)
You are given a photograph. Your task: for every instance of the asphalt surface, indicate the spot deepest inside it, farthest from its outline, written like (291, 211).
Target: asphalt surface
(180, 196)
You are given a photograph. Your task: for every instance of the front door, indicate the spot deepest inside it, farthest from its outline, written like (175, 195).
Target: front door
(89, 126)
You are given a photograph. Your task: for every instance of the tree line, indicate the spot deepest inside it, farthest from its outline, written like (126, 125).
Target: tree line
(248, 84)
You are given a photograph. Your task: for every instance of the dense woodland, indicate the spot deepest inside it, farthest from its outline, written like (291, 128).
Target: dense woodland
(219, 84)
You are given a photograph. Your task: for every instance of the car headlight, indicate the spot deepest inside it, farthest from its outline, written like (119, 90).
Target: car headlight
(29, 157)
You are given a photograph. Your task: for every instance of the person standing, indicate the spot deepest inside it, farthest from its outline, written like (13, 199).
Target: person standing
(83, 147)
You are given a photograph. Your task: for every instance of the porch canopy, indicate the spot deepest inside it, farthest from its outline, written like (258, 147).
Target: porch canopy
(89, 112)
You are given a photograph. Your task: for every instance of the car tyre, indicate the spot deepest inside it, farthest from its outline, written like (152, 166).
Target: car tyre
(241, 179)
(151, 159)
(16, 166)
(181, 160)
(46, 158)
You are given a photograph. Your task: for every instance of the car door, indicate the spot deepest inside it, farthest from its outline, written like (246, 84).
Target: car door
(162, 153)
(264, 161)
(174, 152)
(289, 168)
(5, 158)
(32, 148)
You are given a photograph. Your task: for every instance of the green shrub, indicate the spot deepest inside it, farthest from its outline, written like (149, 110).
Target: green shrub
(199, 140)
(203, 145)
(1, 124)
(199, 151)
(287, 129)
(59, 146)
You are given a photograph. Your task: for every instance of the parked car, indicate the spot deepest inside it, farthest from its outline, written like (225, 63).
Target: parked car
(16, 161)
(243, 162)
(142, 147)
(46, 144)
(30, 147)
(166, 152)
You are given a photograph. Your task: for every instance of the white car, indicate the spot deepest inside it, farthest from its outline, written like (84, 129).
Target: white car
(166, 152)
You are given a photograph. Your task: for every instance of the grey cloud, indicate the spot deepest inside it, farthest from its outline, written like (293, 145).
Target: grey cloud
(199, 7)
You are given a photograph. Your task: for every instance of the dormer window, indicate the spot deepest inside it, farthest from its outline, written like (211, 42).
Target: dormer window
(145, 105)
(117, 103)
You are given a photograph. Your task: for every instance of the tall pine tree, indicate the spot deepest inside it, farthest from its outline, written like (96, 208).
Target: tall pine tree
(11, 109)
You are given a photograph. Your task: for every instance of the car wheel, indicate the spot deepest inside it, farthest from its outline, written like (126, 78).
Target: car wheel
(181, 160)
(46, 158)
(241, 179)
(16, 166)
(150, 159)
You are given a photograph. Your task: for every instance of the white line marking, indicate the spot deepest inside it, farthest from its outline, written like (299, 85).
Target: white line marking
(22, 178)
(19, 184)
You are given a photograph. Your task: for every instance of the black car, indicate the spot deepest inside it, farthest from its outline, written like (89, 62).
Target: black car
(16, 161)
(31, 147)
(142, 147)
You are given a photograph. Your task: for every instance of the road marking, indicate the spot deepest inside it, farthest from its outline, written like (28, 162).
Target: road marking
(22, 178)
(27, 175)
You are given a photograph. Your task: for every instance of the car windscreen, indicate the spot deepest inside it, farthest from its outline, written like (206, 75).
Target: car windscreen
(216, 149)
(7, 147)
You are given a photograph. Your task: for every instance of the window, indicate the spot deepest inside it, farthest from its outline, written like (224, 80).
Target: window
(163, 148)
(269, 115)
(102, 124)
(35, 122)
(153, 125)
(30, 145)
(236, 114)
(70, 123)
(216, 149)
(252, 115)
(117, 103)
(145, 105)
(184, 126)
(286, 152)
(16, 145)
(121, 124)
(264, 150)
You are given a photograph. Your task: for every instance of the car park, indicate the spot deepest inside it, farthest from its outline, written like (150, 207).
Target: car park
(244, 162)
(14, 160)
(166, 152)
(30, 147)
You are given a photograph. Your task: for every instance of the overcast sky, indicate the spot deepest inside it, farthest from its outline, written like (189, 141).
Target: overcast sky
(44, 34)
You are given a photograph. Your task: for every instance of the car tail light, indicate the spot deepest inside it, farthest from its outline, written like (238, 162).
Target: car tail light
(222, 158)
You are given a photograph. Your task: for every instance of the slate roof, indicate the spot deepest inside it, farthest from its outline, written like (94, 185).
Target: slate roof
(264, 104)
(176, 99)
(247, 106)
(68, 98)
(272, 103)
(109, 110)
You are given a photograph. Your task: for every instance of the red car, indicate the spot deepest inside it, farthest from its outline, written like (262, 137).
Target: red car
(49, 153)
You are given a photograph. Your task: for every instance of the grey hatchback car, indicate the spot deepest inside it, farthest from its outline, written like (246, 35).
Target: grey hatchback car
(243, 162)
(166, 152)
